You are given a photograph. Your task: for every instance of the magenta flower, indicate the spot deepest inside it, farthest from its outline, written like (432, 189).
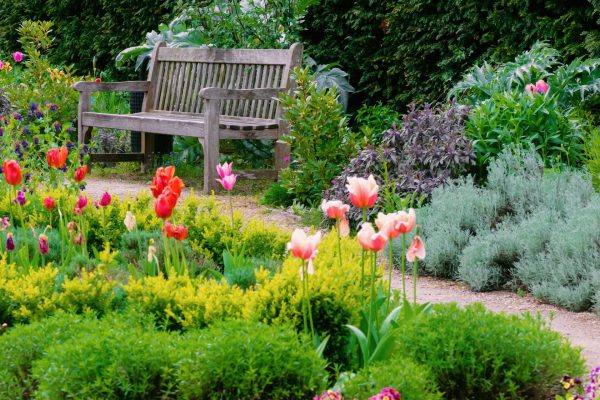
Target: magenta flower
(1, 65)
(20, 198)
(4, 223)
(541, 87)
(81, 202)
(224, 169)
(17, 56)
(228, 182)
(10, 242)
(105, 199)
(44, 247)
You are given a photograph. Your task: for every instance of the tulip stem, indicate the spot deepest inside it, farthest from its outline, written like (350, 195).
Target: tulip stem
(391, 267)
(372, 301)
(23, 229)
(339, 240)
(230, 207)
(415, 266)
(310, 318)
(362, 266)
(304, 312)
(403, 266)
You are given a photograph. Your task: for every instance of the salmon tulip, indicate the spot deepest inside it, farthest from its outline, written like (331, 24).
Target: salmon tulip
(56, 157)
(416, 249)
(163, 206)
(12, 172)
(406, 221)
(304, 246)
(335, 209)
(363, 192)
(371, 240)
(80, 173)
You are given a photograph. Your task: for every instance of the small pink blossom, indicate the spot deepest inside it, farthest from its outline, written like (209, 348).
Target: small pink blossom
(228, 182)
(17, 56)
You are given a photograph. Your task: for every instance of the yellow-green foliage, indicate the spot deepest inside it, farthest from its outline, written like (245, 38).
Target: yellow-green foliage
(181, 301)
(26, 296)
(91, 291)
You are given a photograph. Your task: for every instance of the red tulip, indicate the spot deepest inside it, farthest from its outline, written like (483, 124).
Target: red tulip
(176, 185)
(161, 180)
(363, 192)
(163, 206)
(56, 157)
(80, 173)
(49, 203)
(416, 249)
(369, 239)
(12, 172)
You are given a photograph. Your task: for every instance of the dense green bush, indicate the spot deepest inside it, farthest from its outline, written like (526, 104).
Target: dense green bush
(411, 380)
(320, 138)
(592, 156)
(372, 121)
(402, 51)
(506, 111)
(474, 353)
(524, 228)
(250, 361)
(86, 30)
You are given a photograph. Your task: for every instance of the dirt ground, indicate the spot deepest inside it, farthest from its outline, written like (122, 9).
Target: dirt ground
(582, 329)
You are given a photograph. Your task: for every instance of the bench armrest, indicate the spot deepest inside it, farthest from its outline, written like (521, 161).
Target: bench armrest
(131, 86)
(213, 93)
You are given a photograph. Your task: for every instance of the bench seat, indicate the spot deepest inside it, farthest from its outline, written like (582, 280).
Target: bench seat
(184, 124)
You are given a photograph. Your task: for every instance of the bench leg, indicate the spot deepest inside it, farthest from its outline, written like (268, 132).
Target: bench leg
(148, 150)
(210, 145)
(282, 155)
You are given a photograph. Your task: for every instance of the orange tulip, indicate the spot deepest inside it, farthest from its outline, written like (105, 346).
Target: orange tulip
(416, 249)
(80, 173)
(163, 206)
(176, 185)
(369, 239)
(12, 172)
(56, 157)
(363, 192)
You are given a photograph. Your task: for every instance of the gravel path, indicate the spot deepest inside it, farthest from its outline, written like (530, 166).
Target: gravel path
(583, 329)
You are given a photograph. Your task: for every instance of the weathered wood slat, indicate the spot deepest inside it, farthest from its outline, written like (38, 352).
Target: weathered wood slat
(270, 174)
(225, 56)
(130, 86)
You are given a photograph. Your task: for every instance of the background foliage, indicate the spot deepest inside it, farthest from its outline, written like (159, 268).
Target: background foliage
(402, 51)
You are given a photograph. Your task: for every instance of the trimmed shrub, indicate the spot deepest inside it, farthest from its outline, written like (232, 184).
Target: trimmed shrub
(411, 380)
(250, 361)
(474, 353)
(524, 228)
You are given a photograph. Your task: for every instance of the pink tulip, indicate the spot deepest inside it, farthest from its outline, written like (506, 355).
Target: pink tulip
(335, 209)
(363, 192)
(530, 88)
(387, 224)
(225, 169)
(17, 56)
(406, 221)
(81, 202)
(369, 239)
(541, 86)
(105, 199)
(228, 181)
(303, 246)
(416, 249)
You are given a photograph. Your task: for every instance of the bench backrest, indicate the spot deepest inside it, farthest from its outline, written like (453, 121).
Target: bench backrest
(178, 74)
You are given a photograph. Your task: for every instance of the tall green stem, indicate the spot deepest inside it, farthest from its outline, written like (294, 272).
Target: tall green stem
(304, 312)
(230, 208)
(371, 300)
(362, 266)
(310, 318)
(23, 230)
(415, 266)
(404, 266)
(339, 241)
(391, 267)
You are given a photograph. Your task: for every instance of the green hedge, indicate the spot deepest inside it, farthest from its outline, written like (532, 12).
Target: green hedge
(85, 29)
(406, 50)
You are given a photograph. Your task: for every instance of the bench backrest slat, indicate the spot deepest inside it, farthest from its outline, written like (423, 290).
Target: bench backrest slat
(180, 74)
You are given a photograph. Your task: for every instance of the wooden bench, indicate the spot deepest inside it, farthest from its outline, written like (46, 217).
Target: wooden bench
(208, 93)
